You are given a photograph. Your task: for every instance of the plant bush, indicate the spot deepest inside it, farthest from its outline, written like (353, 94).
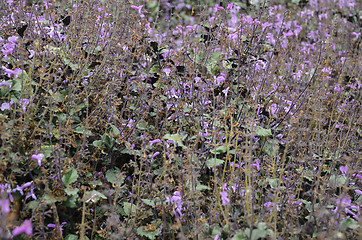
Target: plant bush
(180, 119)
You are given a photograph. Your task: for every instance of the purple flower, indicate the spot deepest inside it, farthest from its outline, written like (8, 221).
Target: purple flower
(31, 193)
(139, 9)
(52, 225)
(269, 205)
(26, 227)
(47, 4)
(5, 205)
(257, 164)
(6, 106)
(176, 199)
(217, 7)
(224, 197)
(8, 71)
(5, 84)
(343, 169)
(38, 157)
(167, 71)
(155, 141)
(219, 80)
(25, 103)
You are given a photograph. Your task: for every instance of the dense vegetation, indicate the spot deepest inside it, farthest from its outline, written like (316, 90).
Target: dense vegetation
(180, 119)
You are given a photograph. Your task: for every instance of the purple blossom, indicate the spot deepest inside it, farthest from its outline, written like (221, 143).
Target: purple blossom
(47, 4)
(52, 225)
(269, 205)
(38, 157)
(26, 228)
(5, 106)
(139, 9)
(230, 6)
(31, 193)
(219, 80)
(5, 205)
(343, 169)
(15, 72)
(256, 164)
(217, 7)
(176, 199)
(224, 198)
(25, 102)
(5, 84)
(13, 39)
(167, 71)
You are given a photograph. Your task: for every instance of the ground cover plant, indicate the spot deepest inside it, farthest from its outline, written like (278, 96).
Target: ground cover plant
(180, 119)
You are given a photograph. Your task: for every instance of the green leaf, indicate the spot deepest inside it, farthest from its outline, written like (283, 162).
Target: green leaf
(271, 147)
(114, 130)
(151, 232)
(71, 176)
(273, 182)
(93, 196)
(262, 132)
(213, 162)
(71, 237)
(108, 141)
(201, 187)
(98, 143)
(72, 201)
(349, 223)
(49, 199)
(47, 150)
(115, 176)
(129, 208)
(16, 86)
(240, 236)
(176, 139)
(81, 130)
(148, 202)
(219, 150)
(142, 125)
(70, 191)
(337, 181)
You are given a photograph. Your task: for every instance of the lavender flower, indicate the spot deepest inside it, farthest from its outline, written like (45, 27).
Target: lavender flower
(26, 228)
(38, 157)
(52, 225)
(5, 205)
(176, 200)
(224, 198)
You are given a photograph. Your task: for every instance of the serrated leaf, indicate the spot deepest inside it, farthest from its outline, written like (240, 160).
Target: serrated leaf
(219, 150)
(71, 176)
(129, 208)
(349, 223)
(271, 147)
(273, 182)
(213, 162)
(240, 236)
(70, 191)
(149, 232)
(201, 187)
(149, 202)
(114, 130)
(142, 125)
(115, 176)
(262, 132)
